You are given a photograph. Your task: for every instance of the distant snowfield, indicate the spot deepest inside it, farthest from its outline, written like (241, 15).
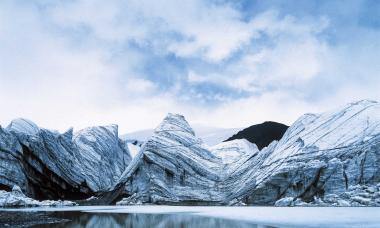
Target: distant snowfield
(275, 216)
(209, 135)
(133, 149)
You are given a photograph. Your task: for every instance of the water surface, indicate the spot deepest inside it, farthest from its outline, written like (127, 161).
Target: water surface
(184, 216)
(183, 220)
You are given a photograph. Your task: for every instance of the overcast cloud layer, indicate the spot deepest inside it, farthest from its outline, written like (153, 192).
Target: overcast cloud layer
(219, 63)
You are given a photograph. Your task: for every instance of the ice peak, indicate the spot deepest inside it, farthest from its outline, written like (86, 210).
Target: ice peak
(175, 122)
(68, 134)
(93, 132)
(114, 128)
(22, 125)
(364, 102)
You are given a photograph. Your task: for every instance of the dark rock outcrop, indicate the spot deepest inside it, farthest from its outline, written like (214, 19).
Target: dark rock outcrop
(261, 134)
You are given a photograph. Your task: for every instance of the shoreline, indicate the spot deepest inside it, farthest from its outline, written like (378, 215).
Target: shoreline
(28, 218)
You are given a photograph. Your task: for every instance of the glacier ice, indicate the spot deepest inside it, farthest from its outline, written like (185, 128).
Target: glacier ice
(320, 154)
(327, 159)
(50, 165)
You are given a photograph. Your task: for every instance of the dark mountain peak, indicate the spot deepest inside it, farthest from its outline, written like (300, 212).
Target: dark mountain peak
(261, 134)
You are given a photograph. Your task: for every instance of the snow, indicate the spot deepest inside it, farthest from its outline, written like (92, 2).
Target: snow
(142, 135)
(211, 136)
(133, 149)
(231, 151)
(16, 198)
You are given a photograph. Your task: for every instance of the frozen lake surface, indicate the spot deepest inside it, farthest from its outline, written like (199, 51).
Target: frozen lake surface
(182, 216)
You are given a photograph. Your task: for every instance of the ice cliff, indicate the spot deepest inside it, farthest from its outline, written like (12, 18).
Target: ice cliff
(173, 166)
(50, 165)
(328, 159)
(320, 154)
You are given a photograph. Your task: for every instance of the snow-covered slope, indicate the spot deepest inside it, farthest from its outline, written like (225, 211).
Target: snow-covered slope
(142, 135)
(212, 136)
(232, 151)
(16, 198)
(134, 146)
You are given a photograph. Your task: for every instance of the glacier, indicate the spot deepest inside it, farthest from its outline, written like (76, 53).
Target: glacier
(320, 155)
(325, 159)
(47, 165)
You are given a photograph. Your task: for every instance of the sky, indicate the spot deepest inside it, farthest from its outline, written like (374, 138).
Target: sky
(219, 63)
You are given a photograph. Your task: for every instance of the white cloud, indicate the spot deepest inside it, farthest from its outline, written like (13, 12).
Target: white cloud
(289, 62)
(276, 106)
(70, 64)
(140, 86)
(210, 31)
(44, 79)
(296, 56)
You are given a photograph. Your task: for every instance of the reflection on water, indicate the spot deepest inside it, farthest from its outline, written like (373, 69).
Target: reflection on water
(182, 220)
